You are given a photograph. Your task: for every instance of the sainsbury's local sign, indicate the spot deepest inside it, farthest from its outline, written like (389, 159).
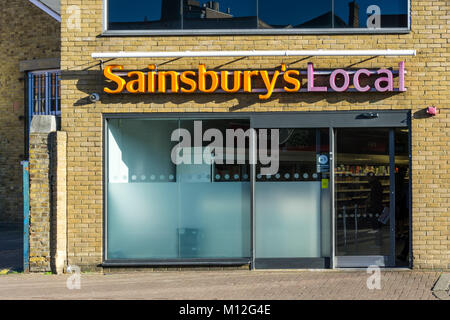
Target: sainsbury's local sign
(263, 82)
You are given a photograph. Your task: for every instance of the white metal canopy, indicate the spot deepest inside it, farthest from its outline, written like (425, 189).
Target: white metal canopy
(252, 53)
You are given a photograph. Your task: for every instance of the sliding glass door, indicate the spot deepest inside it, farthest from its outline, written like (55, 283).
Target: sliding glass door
(292, 211)
(370, 171)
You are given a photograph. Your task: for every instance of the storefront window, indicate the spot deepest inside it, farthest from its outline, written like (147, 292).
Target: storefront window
(256, 14)
(292, 205)
(258, 189)
(161, 208)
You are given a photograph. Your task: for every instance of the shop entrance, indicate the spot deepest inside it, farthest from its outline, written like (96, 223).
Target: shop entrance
(371, 197)
(337, 195)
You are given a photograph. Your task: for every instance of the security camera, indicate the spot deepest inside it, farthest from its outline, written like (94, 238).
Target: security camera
(94, 97)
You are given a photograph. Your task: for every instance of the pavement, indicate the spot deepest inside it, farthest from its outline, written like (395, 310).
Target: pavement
(238, 284)
(217, 284)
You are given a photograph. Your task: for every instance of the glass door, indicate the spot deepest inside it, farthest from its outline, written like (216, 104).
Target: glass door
(364, 197)
(292, 203)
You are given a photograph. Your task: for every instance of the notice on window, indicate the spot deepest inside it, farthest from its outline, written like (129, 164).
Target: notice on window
(322, 162)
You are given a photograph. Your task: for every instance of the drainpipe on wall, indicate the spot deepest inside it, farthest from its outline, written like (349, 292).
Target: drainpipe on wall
(26, 216)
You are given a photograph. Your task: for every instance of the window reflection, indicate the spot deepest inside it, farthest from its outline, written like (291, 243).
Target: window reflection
(256, 14)
(294, 14)
(360, 13)
(224, 14)
(144, 14)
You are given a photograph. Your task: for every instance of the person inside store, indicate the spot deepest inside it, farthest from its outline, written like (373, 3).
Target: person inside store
(375, 200)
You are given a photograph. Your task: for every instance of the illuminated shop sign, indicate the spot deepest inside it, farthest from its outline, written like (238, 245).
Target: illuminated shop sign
(263, 82)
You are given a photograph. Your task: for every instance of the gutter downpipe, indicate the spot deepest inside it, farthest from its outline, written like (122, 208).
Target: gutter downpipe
(26, 215)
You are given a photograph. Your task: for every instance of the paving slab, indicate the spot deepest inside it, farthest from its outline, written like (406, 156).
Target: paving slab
(240, 285)
(441, 289)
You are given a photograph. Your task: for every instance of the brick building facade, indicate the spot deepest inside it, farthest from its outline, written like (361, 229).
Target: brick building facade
(427, 82)
(28, 33)
(89, 124)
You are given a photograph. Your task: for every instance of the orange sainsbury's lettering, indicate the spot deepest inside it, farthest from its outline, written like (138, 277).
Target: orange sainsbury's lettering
(248, 80)
(202, 73)
(162, 81)
(115, 78)
(291, 80)
(140, 82)
(151, 78)
(190, 82)
(224, 81)
(270, 85)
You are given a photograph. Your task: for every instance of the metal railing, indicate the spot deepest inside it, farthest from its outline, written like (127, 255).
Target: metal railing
(44, 93)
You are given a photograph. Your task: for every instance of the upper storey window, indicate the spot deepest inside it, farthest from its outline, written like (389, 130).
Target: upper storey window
(256, 16)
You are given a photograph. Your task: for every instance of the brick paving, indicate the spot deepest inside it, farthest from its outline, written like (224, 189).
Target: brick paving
(222, 285)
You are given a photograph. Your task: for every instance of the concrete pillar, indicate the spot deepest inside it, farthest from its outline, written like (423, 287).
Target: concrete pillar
(58, 243)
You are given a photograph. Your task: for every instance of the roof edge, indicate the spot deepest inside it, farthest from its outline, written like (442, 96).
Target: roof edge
(46, 9)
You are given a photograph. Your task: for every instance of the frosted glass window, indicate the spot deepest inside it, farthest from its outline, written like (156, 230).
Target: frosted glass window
(157, 209)
(288, 219)
(292, 214)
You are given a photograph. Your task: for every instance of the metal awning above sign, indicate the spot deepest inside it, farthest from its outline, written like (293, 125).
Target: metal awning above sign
(252, 53)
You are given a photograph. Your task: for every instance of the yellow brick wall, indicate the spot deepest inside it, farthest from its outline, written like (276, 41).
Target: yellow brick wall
(47, 168)
(26, 32)
(40, 195)
(427, 80)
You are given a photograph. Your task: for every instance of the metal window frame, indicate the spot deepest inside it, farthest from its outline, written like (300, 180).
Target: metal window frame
(410, 193)
(48, 92)
(298, 119)
(207, 32)
(392, 187)
(29, 88)
(162, 262)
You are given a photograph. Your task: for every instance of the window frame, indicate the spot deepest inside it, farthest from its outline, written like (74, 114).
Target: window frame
(208, 32)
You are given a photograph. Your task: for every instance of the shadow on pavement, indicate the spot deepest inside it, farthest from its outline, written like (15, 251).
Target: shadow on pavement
(11, 247)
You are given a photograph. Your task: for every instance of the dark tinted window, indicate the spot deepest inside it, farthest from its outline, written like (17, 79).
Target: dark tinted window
(255, 14)
(371, 13)
(144, 14)
(294, 14)
(223, 14)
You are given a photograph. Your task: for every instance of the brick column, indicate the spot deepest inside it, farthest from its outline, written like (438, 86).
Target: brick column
(39, 202)
(47, 168)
